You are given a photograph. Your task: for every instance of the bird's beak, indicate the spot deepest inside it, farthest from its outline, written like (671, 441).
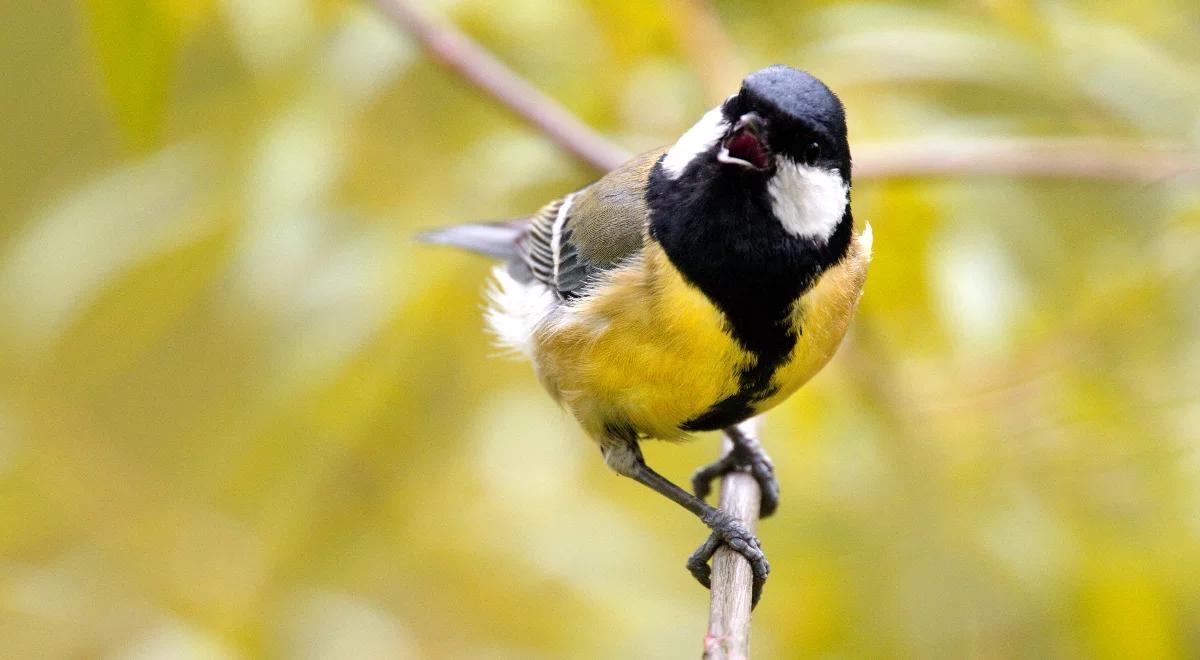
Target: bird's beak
(746, 144)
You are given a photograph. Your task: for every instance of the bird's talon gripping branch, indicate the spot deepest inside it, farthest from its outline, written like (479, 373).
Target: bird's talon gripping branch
(729, 530)
(701, 572)
(703, 478)
(747, 455)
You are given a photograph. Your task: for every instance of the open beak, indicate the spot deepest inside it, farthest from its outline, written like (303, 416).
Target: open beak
(746, 145)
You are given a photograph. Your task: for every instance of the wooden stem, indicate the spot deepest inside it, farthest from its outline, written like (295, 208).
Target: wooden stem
(728, 636)
(1056, 158)
(463, 56)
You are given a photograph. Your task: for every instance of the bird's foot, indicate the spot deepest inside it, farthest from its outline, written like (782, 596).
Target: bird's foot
(730, 531)
(748, 457)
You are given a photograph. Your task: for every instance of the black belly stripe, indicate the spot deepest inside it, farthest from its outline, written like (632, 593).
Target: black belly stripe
(754, 385)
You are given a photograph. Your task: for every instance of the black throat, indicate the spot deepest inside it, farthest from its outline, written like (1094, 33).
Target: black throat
(716, 226)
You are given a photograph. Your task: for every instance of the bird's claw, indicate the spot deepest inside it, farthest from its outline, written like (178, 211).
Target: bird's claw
(730, 531)
(748, 458)
(702, 479)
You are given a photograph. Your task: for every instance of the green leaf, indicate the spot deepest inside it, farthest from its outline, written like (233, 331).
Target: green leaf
(135, 43)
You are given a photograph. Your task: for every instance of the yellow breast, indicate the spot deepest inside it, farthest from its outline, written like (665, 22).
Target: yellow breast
(823, 315)
(645, 348)
(642, 347)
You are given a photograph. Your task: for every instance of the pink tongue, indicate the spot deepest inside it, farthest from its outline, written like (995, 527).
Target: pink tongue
(747, 147)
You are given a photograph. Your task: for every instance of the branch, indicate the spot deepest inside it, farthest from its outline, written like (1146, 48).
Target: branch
(458, 53)
(728, 636)
(1068, 158)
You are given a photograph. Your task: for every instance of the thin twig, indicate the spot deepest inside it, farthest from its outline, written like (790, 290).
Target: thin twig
(460, 54)
(1068, 158)
(728, 636)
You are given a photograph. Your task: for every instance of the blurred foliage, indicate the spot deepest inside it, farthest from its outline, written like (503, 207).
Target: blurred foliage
(242, 414)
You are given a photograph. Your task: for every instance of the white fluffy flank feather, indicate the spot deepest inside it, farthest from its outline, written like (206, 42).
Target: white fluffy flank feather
(514, 311)
(698, 139)
(808, 201)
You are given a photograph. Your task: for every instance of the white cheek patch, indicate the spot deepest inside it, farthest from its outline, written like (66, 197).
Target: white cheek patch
(808, 201)
(698, 139)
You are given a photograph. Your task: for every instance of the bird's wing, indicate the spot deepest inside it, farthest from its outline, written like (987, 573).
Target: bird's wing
(588, 231)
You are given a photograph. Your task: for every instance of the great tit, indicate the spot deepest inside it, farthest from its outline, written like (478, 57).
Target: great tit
(692, 288)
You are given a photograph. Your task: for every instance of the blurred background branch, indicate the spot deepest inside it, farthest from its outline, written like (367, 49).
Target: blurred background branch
(462, 55)
(1059, 158)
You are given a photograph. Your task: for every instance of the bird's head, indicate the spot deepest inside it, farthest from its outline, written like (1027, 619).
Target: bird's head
(783, 136)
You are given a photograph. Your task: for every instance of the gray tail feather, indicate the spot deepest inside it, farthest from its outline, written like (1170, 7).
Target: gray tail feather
(494, 239)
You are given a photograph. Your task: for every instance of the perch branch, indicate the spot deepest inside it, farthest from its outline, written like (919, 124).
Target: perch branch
(466, 58)
(728, 636)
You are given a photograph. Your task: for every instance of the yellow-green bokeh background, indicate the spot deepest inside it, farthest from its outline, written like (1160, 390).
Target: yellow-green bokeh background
(242, 414)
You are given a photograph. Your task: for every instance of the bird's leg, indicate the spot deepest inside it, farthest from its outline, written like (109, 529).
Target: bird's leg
(747, 455)
(625, 458)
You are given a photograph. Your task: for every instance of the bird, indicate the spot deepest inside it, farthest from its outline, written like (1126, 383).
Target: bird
(690, 289)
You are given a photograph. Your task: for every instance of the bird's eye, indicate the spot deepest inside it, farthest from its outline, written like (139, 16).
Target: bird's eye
(811, 153)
